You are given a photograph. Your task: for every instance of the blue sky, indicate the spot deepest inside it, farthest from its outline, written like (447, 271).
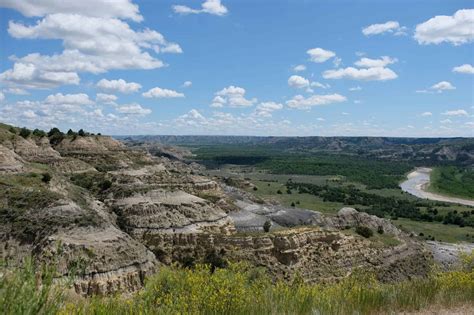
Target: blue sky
(352, 68)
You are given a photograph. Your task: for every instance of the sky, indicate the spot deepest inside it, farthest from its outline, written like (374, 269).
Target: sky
(400, 68)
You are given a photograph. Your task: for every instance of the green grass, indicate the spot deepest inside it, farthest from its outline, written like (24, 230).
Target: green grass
(241, 289)
(453, 181)
(441, 232)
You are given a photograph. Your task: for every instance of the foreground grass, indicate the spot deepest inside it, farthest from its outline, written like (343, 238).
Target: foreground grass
(240, 289)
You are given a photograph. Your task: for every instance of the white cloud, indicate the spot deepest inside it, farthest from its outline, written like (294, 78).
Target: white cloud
(161, 93)
(187, 84)
(456, 29)
(337, 61)
(265, 109)
(299, 68)
(427, 114)
(387, 27)
(298, 82)
(446, 121)
(106, 98)
(370, 74)
(357, 101)
(123, 9)
(16, 91)
(233, 96)
(465, 68)
(133, 109)
(457, 112)
(2, 96)
(214, 7)
(119, 85)
(320, 85)
(300, 102)
(29, 76)
(68, 99)
(375, 63)
(319, 55)
(355, 88)
(91, 43)
(442, 86)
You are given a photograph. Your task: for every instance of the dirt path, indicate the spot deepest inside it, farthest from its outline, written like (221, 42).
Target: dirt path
(419, 180)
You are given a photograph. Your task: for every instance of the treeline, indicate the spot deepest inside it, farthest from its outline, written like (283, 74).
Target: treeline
(382, 206)
(54, 135)
(374, 174)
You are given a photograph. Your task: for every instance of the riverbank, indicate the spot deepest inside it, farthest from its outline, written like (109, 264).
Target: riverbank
(418, 182)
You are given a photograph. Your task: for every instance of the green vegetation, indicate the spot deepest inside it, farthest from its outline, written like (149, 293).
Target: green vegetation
(382, 206)
(364, 231)
(437, 231)
(241, 289)
(267, 225)
(453, 181)
(95, 182)
(25, 133)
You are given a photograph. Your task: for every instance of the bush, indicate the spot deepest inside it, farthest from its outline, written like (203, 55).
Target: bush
(81, 133)
(293, 204)
(279, 192)
(364, 231)
(380, 229)
(267, 225)
(12, 130)
(25, 133)
(46, 178)
(39, 133)
(255, 188)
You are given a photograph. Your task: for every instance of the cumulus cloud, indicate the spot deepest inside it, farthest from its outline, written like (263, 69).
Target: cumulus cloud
(93, 42)
(374, 63)
(370, 74)
(427, 114)
(69, 99)
(123, 9)
(214, 7)
(232, 96)
(442, 86)
(298, 82)
(320, 55)
(106, 98)
(265, 109)
(161, 93)
(187, 84)
(119, 85)
(456, 29)
(392, 27)
(133, 109)
(465, 68)
(301, 102)
(299, 68)
(457, 112)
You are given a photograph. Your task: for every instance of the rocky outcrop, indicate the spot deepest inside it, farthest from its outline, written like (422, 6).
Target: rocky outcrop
(162, 211)
(350, 217)
(316, 254)
(100, 260)
(10, 162)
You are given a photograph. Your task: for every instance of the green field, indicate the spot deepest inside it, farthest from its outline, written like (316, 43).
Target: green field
(453, 181)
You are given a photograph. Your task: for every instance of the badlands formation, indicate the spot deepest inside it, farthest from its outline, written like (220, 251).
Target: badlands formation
(109, 215)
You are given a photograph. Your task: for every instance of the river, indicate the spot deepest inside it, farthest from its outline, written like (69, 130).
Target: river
(418, 181)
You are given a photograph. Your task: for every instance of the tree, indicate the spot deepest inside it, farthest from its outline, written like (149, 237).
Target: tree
(12, 130)
(279, 192)
(293, 204)
(55, 136)
(54, 131)
(39, 133)
(81, 133)
(25, 133)
(267, 225)
(70, 132)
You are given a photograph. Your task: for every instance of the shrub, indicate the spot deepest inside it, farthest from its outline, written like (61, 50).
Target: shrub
(46, 178)
(25, 133)
(81, 133)
(12, 130)
(104, 185)
(215, 259)
(380, 229)
(293, 204)
(39, 133)
(267, 225)
(255, 188)
(364, 231)
(279, 192)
